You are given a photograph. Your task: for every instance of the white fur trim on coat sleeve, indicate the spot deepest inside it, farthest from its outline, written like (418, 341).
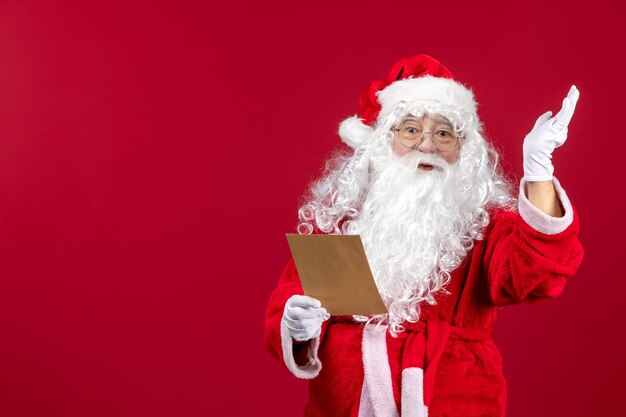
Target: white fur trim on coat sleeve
(312, 368)
(540, 221)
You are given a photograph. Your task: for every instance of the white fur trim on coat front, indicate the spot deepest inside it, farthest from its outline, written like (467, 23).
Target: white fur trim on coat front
(377, 393)
(413, 393)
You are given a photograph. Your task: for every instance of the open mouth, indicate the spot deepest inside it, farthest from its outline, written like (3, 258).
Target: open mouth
(425, 167)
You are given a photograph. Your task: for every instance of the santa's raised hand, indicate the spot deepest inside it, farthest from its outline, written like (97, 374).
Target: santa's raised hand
(548, 134)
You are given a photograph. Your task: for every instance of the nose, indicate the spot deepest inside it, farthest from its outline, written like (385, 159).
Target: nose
(427, 144)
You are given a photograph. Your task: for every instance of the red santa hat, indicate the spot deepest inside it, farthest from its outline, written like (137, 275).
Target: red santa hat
(414, 85)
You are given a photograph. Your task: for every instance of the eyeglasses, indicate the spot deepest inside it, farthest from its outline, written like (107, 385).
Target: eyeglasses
(412, 135)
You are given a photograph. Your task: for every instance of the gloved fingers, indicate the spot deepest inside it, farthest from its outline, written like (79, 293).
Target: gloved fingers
(303, 301)
(563, 117)
(561, 138)
(304, 330)
(542, 119)
(301, 313)
(304, 324)
(308, 334)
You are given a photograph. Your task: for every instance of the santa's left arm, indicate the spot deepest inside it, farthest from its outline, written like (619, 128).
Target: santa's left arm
(548, 134)
(529, 256)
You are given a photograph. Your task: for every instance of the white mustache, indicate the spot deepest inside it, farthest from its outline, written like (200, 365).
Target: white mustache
(413, 159)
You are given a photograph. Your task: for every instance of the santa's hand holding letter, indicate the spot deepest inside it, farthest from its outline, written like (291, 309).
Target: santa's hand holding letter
(448, 242)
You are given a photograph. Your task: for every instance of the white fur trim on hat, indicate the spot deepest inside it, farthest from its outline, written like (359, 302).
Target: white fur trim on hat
(435, 94)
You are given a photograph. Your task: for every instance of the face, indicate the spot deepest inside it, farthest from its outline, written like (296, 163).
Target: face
(430, 126)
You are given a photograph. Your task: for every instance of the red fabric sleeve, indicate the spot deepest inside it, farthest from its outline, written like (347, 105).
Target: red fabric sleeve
(288, 285)
(523, 264)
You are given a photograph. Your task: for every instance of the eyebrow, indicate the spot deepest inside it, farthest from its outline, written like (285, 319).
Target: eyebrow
(439, 121)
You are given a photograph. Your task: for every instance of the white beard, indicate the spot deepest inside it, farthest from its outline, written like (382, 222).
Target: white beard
(416, 229)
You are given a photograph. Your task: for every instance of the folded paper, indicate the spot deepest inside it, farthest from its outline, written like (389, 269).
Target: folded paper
(334, 270)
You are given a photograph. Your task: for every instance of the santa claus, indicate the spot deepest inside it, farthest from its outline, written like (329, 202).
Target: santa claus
(447, 242)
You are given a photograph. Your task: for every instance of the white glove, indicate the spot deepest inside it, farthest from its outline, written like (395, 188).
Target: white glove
(547, 135)
(303, 316)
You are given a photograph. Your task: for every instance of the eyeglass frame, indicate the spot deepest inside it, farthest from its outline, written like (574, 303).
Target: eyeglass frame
(432, 136)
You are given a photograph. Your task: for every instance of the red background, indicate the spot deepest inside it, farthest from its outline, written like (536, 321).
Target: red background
(152, 156)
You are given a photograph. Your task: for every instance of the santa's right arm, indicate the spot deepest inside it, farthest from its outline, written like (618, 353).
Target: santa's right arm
(300, 358)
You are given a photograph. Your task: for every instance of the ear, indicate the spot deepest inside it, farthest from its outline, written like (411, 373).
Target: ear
(354, 132)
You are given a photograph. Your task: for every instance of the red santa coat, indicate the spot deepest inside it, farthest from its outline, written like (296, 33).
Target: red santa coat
(446, 364)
